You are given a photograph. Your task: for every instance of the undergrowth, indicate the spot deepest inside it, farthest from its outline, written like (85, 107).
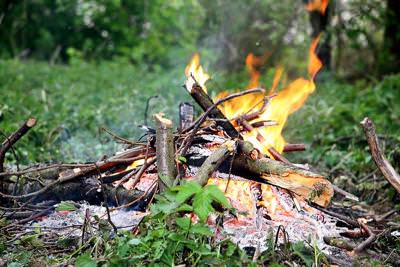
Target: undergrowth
(177, 232)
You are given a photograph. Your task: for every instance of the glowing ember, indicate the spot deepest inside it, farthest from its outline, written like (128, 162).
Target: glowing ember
(240, 196)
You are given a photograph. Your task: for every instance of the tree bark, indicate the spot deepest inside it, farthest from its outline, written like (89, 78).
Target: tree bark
(165, 151)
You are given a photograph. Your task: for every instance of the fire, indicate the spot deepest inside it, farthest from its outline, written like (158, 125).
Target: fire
(278, 109)
(317, 5)
(195, 72)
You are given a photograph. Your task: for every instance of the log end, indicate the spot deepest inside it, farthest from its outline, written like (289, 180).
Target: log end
(31, 122)
(159, 118)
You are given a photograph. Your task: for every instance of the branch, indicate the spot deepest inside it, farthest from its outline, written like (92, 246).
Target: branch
(213, 162)
(205, 102)
(13, 138)
(381, 162)
(165, 151)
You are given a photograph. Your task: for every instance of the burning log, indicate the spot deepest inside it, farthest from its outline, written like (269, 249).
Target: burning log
(165, 152)
(308, 185)
(205, 102)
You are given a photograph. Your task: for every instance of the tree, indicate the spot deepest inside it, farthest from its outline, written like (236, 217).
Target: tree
(390, 56)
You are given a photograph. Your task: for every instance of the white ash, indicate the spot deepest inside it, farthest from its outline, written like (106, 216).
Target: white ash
(69, 223)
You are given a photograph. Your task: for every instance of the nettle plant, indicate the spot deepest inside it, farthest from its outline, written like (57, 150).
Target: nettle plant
(169, 236)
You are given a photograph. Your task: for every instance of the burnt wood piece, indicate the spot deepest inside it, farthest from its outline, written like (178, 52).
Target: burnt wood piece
(205, 102)
(186, 115)
(278, 156)
(13, 138)
(165, 152)
(96, 167)
(87, 189)
(380, 160)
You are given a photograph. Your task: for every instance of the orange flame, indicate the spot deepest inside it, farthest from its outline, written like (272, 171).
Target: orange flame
(315, 64)
(195, 73)
(275, 81)
(317, 5)
(279, 108)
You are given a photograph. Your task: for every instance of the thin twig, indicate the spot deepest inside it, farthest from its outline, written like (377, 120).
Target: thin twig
(121, 139)
(371, 238)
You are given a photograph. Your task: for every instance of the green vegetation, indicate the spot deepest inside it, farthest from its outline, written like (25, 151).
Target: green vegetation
(169, 237)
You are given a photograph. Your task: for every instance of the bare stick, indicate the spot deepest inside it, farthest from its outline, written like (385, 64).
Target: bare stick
(294, 147)
(277, 156)
(381, 162)
(165, 151)
(371, 238)
(345, 193)
(212, 162)
(13, 138)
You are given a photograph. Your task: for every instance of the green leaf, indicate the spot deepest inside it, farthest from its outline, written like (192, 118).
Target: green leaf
(85, 260)
(184, 207)
(216, 194)
(166, 180)
(182, 159)
(134, 242)
(187, 190)
(66, 206)
(305, 254)
(202, 205)
(183, 222)
(201, 229)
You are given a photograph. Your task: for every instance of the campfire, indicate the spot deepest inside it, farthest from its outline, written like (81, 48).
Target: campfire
(236, 144)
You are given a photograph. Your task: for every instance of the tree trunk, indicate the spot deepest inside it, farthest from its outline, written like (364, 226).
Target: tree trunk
(390, 57)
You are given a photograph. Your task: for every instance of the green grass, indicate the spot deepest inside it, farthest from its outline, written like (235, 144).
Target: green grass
(73, 102)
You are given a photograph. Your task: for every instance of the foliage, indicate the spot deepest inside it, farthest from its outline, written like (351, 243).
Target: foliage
(98, 29)
(169, 236)
(163, 32)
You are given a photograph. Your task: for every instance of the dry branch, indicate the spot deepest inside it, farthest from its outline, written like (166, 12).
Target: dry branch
(165, 151)
(381, 162)
(212, 163)
(13, 138)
